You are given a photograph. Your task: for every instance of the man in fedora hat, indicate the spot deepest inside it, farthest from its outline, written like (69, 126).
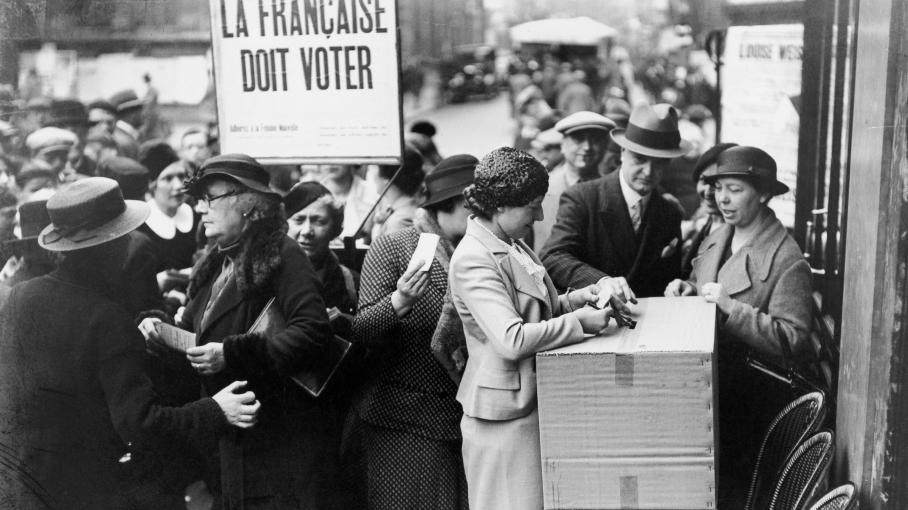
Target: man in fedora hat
(129, 122)
(27, 259)
(73, 390)
(585, 137)
(618, 230)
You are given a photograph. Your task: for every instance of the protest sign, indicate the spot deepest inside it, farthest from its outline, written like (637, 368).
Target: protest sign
(308, 80)
(761, 96)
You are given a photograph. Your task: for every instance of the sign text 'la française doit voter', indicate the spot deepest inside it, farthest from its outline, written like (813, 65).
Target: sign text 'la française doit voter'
(308, 80)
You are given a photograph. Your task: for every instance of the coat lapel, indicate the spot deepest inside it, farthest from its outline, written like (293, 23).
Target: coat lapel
(755, 259)
(709, 256)
(229, 299)
(619, 231)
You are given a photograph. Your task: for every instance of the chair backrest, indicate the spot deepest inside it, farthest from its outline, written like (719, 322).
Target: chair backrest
(803, 470)
(840, 498)
(797, 421)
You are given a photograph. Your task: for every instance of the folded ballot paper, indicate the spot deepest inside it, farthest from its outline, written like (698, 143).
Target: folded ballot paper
(271, 321)
(425, 250)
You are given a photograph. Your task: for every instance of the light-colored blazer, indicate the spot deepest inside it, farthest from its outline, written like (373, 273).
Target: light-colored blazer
(506, 321)
(769, 281)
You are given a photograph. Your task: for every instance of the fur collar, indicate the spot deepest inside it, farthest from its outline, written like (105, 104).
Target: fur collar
(256, 259)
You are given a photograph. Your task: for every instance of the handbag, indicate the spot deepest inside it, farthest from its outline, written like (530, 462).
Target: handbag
(312, 379)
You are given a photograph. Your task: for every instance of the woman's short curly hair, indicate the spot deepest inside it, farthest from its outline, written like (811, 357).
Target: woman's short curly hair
(505, 177)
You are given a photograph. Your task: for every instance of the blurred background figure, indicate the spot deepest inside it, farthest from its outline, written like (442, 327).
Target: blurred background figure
(129, 121)
(421, 136)
(194, 147)
(546, 147)
(403, 196)
(102, 116)
(51, 146)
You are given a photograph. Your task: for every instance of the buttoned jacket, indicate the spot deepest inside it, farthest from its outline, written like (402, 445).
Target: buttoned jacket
(507, 319)
(769, 282)
(593, 237)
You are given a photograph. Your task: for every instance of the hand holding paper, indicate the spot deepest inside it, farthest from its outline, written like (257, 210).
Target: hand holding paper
(410, 287)
(425, 250)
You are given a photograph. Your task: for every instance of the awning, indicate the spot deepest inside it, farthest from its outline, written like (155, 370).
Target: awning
(582, 31)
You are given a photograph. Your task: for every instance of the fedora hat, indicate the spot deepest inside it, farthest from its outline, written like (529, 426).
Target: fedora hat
(748, 162)
(449, 178)
(90, 212)
(653, 131)
(237, 167)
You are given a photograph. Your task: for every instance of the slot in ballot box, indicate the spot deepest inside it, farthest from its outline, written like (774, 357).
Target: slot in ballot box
(627, 419)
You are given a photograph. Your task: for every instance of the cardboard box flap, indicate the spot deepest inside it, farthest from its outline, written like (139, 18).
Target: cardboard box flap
(683, 324)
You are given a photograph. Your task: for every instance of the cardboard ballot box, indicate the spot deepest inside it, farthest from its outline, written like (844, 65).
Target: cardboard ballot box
(627, 419)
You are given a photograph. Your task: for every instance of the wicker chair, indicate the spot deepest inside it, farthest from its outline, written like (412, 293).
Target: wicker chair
(803, 471)
(840, 498)
(796, 422)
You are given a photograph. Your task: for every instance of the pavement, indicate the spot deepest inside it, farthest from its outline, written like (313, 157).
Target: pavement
(474, 127)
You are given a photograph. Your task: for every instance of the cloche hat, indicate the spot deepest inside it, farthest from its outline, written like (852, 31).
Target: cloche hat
(90, 212)
(449, 178)
(653, 131)
(750, 162)
(238, 167)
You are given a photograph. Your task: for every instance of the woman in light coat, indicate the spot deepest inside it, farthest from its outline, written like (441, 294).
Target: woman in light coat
(756, 275)
(510, 311)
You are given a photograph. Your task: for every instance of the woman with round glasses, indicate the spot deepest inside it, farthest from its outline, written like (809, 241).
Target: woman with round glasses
(289, 458)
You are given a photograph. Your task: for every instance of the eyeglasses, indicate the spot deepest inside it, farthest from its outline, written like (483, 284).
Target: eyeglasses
(207, 199)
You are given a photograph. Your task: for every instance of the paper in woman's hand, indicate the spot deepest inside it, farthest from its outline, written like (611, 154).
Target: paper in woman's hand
(176, 338)
(425, 250)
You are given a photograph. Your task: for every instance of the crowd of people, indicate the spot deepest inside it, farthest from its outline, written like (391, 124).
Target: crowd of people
(111, 240)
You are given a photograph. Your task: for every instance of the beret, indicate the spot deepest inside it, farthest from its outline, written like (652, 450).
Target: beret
(302, 194)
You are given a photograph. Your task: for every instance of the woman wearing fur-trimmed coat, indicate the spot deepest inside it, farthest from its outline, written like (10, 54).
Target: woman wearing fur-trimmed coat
(289, 458)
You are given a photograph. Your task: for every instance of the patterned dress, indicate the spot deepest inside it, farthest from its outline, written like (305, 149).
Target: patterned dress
(408, 416)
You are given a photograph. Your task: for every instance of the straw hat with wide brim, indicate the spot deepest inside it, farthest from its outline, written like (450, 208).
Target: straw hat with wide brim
(90, 212)
(653, 131)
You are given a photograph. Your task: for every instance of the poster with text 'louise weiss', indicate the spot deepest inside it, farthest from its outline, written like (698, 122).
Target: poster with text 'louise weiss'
(312, 81)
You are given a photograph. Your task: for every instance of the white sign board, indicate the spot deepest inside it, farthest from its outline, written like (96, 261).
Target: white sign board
(308, 80)
(761, 95)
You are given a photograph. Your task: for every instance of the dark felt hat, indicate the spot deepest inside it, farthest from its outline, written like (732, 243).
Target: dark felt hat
(238, 167)
(449, 178)
(302, 194)
(156, 155)
(102, 104)
(90, 212)
(67, 112)
(423, 127)
(126, 100)
(709, 157)
(653, 131)
(751, 163)
(33, 218)
(129, 174)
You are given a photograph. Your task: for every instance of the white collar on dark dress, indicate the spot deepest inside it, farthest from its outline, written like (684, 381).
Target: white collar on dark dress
(165, 226)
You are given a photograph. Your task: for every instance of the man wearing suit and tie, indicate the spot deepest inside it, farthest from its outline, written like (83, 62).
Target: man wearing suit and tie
(618, 230)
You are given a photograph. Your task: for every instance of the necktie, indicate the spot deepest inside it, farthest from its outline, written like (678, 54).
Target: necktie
(635, 215)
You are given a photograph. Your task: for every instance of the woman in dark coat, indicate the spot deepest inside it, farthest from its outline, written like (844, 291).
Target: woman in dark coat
(314, 218)
(73, 394)
(289, 459)
(409, 415)
(757, 276)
